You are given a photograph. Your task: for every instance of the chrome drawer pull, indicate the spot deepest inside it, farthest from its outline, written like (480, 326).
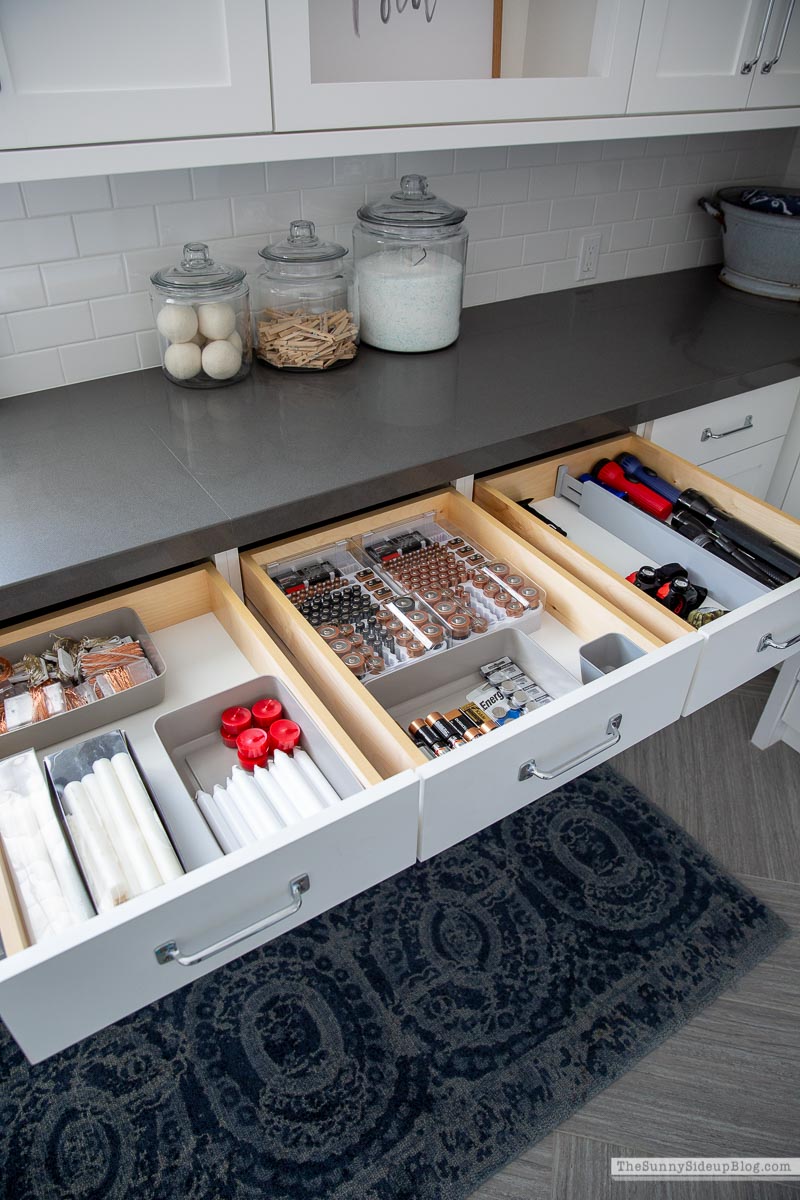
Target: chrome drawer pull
(767, 643)
(529, 770)
(767, 66)
(170, 951)
(706, 434)
(748, 65)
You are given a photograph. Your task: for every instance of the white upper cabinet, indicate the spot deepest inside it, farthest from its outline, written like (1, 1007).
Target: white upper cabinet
(90, 71)
(697, 55)
(776, 80)
(345, 64)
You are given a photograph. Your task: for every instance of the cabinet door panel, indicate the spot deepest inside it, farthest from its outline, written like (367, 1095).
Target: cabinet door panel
(691, 53)
(73, 73)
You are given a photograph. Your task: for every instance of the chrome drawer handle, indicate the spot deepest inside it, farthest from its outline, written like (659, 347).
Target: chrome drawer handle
(767, 643)
(706, 434)
(529, 769)
(170, 951)
(748, 65)
(767, 66)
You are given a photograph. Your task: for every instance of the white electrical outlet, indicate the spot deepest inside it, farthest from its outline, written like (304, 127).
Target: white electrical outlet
(587, 259)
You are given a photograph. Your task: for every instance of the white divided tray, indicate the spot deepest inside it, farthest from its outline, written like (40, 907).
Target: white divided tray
(192, 740)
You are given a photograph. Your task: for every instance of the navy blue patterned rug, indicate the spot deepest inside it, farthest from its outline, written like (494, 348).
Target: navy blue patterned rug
(410, 1042)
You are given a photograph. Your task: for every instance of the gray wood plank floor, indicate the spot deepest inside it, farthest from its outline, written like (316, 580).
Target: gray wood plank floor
(729, 1082)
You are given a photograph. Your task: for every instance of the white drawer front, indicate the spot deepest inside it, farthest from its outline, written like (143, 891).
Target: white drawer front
(56, 993)
(731, 654)
(466, 791)
(736, 423)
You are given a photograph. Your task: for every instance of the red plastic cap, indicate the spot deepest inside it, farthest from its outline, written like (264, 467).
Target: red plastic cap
(266, 711)
(283, 735)
(235, 720)
(253, 748)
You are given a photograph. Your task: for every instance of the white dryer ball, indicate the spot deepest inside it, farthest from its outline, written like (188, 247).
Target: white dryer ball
(183, 360)
(177, 322)
(221, 360)
(236, 340)
(217, 320)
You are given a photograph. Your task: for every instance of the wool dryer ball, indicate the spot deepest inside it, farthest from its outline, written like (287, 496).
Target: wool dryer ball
(235, 340)
(221, 360)
(177, 322)
(183, 360)
(217, 321)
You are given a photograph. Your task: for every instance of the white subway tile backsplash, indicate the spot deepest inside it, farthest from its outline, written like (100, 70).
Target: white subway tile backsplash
(21, 287)
(487, 158)
(151, 187)
(263, 214)
(122, 314)
(545, 247)
(47, 196)
(656, 202)
(194, 220)
(36, 240)
(551, 181)
(11, 202)
(520, 281)
(596, 177)
(504, 187)
(20, 373)
(57, 326)
(571, 212)
(6, 344)
(106, 356)
(107, 232)
(240, 179)
(301, 173)
(530, 217)
(83, 278)
(529, 208)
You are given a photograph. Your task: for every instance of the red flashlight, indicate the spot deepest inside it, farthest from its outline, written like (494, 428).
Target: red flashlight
(639, 495)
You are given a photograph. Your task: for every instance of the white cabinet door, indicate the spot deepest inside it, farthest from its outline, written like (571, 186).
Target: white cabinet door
(751, 469)
(348, 64)
(776, 80)
(88, 71)
(697, 54)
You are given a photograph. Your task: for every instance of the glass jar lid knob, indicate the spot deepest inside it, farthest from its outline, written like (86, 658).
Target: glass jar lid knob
(412, 187)
(303, 233)
(196, 257)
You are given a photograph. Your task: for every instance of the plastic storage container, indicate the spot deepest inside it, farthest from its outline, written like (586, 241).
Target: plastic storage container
(410, 255)
(306, 314)
(202, 312)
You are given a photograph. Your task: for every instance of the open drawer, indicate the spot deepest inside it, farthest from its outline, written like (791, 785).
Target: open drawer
(473, 786)
(74, 983)
(761, 627)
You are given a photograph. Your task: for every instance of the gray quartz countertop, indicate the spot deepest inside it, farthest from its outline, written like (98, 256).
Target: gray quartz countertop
(109, 481)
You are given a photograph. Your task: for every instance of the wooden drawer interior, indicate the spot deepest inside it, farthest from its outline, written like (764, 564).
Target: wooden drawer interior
(574, 614)
(168, 605)
(498, 494)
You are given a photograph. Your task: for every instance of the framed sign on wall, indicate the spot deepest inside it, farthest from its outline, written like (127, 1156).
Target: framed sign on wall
(371, 41)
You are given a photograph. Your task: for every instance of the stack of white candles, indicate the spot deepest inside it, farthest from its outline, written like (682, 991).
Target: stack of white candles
(258, 804)
(118, 836)
(51, 895)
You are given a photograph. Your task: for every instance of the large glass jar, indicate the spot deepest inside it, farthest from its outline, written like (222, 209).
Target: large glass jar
(306, 313)
(202, 312)
(410, 255)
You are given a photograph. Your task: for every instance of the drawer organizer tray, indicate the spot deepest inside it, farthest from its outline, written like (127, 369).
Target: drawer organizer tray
(123, 621)
(191, 737)
(609, 539)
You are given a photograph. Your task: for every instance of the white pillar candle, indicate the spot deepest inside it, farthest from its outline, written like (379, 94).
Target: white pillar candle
(147, 818)
(277, 797)
(296, 786)
(324, 790)
(105, 876)
(217, 823)
(121, 826)
(256, 803)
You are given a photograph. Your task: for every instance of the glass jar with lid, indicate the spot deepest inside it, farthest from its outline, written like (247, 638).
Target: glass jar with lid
(202, 312)
(410, 256)
(306, 313)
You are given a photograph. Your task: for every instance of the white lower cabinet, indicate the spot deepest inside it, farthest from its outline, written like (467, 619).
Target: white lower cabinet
(65, 988)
